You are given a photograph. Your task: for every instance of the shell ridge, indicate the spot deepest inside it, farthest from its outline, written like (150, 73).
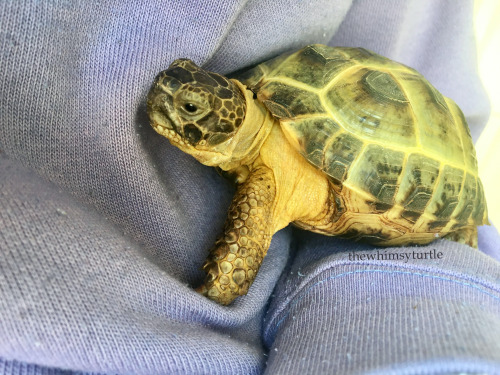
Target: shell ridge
(404, 166)
(293, 82)
(355, 163)
(407, 94)
(456, 123)
(331, 113)
(400, 69)
(440, 176)
(341, 74)
(325, 148)
(459, 199)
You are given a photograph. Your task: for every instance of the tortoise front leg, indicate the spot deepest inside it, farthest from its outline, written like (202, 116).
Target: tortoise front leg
(234, 260)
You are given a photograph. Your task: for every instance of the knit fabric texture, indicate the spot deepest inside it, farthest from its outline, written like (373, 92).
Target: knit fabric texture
(104, 225)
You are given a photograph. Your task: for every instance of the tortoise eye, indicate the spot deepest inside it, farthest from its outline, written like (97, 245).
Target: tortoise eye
(190, 107)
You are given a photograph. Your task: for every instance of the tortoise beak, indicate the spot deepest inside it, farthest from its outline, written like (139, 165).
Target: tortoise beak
(160, 103)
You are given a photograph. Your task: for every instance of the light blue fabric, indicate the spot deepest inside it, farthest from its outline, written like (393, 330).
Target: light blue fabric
(104, 225)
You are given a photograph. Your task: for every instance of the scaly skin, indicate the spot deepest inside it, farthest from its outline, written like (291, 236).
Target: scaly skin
(236, 257)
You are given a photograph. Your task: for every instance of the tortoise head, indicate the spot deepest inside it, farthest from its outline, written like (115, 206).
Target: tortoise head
(198, 111)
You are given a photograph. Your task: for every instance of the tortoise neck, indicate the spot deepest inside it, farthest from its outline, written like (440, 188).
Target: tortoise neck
(252, 133)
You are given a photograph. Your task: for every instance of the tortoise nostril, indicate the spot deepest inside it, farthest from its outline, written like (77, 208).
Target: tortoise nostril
(163, 102)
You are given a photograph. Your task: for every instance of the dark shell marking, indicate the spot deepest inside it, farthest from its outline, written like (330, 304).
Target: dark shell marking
(225, 99)
(377, 127)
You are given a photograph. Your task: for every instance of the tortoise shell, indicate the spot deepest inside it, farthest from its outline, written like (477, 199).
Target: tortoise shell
(381, 132)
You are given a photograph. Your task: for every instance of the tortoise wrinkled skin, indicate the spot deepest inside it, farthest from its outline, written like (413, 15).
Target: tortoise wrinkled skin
(339, 141)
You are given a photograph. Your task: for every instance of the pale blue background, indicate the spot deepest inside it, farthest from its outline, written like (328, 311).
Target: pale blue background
(104, 225)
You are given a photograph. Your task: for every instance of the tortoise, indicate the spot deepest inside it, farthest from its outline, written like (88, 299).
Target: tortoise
(337, 140)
